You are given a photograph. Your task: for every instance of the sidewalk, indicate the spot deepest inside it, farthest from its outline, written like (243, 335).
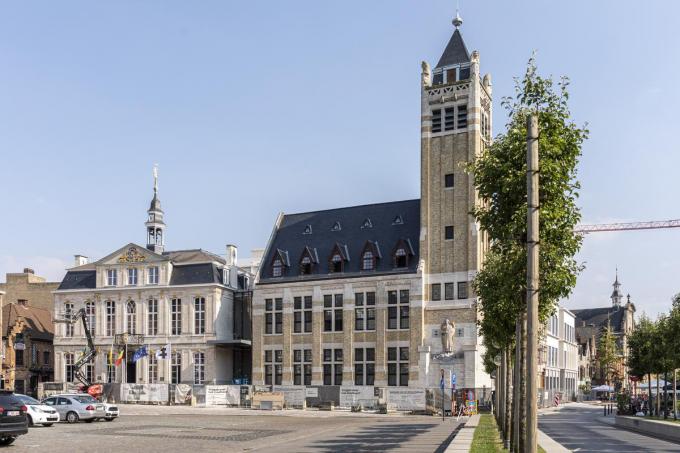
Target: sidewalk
(463, 440)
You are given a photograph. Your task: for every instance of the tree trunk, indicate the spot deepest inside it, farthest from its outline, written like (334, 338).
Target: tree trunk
(658, 400)
(516, 390)
(675, 394)
(508, 396)
(523, 384)
(500, 392)
(649, 393)
(665, 395)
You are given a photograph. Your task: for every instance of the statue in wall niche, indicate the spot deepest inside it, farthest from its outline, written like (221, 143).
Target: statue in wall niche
(446, 333)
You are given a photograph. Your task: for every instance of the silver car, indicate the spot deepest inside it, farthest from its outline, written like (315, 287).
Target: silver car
(76, 406)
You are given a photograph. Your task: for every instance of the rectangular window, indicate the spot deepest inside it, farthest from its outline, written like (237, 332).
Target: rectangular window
(273, 316)
(448, 180)
(398, 309)
(176, 316)
(69, 367)
(332, 313)
(46, 357)
(462, 290)
(91, 317)
(176, 367)
(153, 369)
(19, 357)
(436, 291)
(397, 366)
(332, 367)
(462, 116)
(364, 366)
(448, 232)
(132, 276)
(302, 314)
(449, 119)
(364, 313)
(448, 291)
(68, 327)
(199, 368)
(438, 78)
(111, 277)
(199, 315)
(302, 367)
(464, 73)
(436, 121)
(152, 328)
(110, 318)
(273, 366)
(110, 373)
(153, 275)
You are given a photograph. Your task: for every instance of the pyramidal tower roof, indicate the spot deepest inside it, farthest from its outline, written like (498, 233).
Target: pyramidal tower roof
(455, 51)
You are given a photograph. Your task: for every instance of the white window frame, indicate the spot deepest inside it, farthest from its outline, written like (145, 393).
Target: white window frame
(199, 316)
(132, 276)
(111, 277)
(154, 272)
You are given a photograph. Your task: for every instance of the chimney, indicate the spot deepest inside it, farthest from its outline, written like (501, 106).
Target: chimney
(232, 255)
(80, 260)
(28, 270)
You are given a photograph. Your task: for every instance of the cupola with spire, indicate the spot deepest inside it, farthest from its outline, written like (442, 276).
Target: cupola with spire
(617, 295)
(454, 64)
(155, 226)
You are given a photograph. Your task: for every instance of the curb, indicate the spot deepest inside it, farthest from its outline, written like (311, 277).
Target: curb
(463, 440)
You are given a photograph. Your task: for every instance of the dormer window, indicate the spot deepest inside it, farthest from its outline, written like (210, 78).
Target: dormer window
(398, 220)
(367, 223)
(368, 261)
(336, 263)
(277, 268)
(279, 263)
(307, 230)
(400, 258)
(306, 266)
(336, 226)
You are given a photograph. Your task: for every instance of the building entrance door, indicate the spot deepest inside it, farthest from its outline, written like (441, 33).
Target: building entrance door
(131, 369)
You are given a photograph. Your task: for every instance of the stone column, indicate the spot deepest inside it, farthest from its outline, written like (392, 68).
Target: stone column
(347, 334)
(380, 330)
(287, 378)
(317, 329)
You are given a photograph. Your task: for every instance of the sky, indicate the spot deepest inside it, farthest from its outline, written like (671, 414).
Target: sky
(253, 108)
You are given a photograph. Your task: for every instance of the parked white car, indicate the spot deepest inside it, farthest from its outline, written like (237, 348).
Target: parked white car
(38, 413)
(112, 412)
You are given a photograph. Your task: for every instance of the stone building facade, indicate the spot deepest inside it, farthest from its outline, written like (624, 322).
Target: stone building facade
(27, 335)
(590, 324)
(413, 260)
(193, 301)
(26, 286)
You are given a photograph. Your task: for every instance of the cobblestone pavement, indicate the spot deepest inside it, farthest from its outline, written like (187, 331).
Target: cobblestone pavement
(163, 429)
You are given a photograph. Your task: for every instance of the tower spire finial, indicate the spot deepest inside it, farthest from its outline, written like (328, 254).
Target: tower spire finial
(155, 179)
(457, 21)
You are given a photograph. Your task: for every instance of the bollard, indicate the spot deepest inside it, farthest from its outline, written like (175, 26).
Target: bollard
(605, 410)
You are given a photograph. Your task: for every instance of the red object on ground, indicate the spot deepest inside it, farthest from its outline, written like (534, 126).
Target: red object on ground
(95, 390)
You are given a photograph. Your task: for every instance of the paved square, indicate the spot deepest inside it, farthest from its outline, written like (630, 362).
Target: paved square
(169, 429)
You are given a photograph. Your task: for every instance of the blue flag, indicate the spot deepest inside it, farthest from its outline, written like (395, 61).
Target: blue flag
(139, 353)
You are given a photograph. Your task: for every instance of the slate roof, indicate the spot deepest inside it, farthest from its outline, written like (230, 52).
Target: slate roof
(455, 51)
(600, 316)
(384, 223)
(39, 322)
(193, 266)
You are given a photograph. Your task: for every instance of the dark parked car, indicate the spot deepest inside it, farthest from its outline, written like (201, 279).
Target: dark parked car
(13, 421)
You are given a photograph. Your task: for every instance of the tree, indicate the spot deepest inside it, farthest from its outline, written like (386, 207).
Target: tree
(608, 355)
(640, 346)
(500, 179)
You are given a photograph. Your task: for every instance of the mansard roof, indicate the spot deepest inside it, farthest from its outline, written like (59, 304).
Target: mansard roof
(455, 51)
(352, 238)
(194, 266)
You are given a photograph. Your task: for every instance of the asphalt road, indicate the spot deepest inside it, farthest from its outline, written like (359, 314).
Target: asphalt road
(579, 427)
(165, 431)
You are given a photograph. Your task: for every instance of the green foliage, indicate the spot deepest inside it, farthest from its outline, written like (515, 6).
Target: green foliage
(500, 177)
(608, 354)
(640, 346)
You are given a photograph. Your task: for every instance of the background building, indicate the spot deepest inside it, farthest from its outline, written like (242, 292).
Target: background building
(27, 331)
(559, 356)
(358, 295)
(591, 323)
(195, 301)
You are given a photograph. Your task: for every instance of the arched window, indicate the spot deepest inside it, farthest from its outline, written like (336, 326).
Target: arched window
(131, 311)
(400, 258)
(159, 237)
(336, 263)
(277, 268)
(306, 265)
(368, 261)
(91, 317)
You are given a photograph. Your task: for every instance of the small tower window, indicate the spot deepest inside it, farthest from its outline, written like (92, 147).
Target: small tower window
(277, 268)
(449, 119)
(462, 116)
(448, 180)
(159, 236)
(400, 258)
(448, 232)
(437, 121)
(336, 263)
